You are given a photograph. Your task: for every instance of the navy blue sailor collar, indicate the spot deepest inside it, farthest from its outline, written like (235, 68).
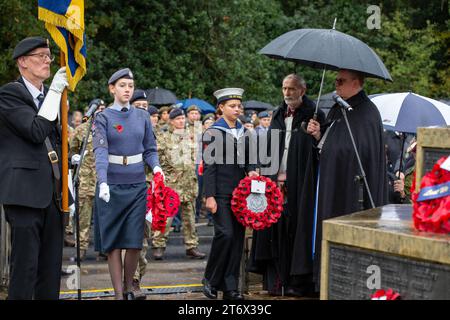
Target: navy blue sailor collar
(222, 125)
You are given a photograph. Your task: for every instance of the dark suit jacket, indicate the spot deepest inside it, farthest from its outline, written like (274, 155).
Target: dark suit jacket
(25, 170)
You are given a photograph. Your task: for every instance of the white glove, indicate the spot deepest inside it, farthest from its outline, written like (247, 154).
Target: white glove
(59, 81)
(104, 192)
(75, 160)
(72, 210)
(158, 169)
(51, 105)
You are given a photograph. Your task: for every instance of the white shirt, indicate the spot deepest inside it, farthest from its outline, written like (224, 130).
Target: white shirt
(35, 92)
(287, 140)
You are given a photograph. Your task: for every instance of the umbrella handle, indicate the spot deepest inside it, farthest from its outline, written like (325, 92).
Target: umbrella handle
(304, 125)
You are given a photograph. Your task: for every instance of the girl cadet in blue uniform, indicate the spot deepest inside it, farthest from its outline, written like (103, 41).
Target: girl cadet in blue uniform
(223, 169)
(123, 142)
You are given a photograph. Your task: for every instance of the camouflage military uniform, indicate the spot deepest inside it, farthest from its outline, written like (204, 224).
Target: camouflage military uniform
(142, 262)
(176, 154)
(86, 189)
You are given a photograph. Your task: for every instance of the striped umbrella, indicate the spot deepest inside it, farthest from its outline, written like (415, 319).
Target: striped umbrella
(406, 111)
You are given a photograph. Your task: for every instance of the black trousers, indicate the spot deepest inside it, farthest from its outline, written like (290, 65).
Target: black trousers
(36, 252)
(222, 269)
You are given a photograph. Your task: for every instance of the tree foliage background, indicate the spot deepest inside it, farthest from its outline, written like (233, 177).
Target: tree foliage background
(195, 47)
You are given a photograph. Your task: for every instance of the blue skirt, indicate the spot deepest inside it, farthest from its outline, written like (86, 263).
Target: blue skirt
(119, 224)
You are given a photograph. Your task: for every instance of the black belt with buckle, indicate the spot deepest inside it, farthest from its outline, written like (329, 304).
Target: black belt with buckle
(53, 157)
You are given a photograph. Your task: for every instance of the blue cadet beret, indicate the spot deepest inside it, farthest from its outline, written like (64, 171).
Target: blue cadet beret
(152, 110)
(28, 44)
(228, 94)
(263, 114)
(122, 73)
(176, 112)
(138, 95)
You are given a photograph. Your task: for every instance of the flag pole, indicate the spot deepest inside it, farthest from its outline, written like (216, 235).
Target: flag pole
(65, 146)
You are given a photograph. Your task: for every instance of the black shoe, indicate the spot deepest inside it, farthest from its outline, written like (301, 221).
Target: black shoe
(177, 229)
(158, 253)
(194, 253)
(208, 291)
(210, 223)
(129, 296)
(305, 292)
(232, 295)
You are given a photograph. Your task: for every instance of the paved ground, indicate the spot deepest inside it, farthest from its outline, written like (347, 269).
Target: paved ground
(174, 271)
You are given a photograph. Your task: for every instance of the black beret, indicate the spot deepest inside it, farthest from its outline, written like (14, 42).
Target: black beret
(122, 73)
(176, 112)
(152, 110)
(138, 95)
(29, 44)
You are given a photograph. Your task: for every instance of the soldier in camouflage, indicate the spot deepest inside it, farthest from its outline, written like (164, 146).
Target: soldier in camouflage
(176, 149)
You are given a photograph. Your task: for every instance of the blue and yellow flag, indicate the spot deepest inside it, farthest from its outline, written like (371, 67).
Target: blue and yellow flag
(64, 20)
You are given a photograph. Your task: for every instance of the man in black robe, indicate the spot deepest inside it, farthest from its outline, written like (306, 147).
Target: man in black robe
(283, 253)
(339, 190)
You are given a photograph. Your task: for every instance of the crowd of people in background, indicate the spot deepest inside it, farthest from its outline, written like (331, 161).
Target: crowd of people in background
(132, 139)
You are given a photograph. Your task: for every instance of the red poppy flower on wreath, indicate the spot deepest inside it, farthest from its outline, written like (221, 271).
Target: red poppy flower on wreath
(431, 205)
(162, 203)
(385, 295)
(255, 210)
(118, 127)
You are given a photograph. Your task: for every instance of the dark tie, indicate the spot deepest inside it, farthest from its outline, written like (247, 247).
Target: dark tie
(41, 100)
(124, 109)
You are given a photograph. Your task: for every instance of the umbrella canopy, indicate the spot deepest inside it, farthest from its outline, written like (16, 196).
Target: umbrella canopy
(406, 111)
(159, 96)
(204, 106)
(257, 105)
(327, 49)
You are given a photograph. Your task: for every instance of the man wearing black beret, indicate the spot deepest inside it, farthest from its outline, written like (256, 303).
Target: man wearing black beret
(30, 149)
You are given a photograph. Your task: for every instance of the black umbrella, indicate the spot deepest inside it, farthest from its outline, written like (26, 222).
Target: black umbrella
(326, 49)
(329, 49)
(256, 105)
(159, 96)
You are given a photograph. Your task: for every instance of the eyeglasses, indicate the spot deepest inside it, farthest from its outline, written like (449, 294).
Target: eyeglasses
(43, 56)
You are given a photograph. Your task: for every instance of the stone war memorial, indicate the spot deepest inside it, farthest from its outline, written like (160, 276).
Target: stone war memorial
(382, 249)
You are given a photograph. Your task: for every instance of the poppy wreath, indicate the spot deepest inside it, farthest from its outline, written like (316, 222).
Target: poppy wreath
(385, 295)
(162, 201)
(257, 220)
(432, 215)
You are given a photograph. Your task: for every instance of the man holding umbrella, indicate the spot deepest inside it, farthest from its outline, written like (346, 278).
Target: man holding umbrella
(283, 252)
(340, 179)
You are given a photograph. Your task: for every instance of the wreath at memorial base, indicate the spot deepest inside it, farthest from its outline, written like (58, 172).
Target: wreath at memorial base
(431, 205)
(256, 210)
(162, 203)
(385, 295)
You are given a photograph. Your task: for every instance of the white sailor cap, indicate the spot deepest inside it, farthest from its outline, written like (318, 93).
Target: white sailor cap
(228, 94)
(122, 73)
